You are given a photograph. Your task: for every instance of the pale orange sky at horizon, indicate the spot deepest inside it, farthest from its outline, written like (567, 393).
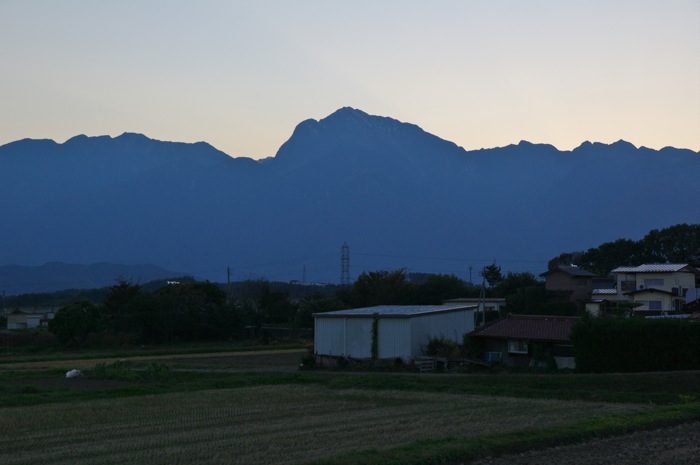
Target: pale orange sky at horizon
(241, 75)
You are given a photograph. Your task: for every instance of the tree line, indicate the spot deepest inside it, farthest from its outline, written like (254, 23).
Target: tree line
(205, 311)
(675, 244)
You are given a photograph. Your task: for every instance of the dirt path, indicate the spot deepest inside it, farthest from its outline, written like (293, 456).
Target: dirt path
(259, 357)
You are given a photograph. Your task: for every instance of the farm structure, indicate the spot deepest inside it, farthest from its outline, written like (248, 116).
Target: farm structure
(528, 340)
(29, 318)
(390, 331)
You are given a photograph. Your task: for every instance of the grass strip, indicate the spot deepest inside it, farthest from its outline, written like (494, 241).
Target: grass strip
(445, 451)
(21, 389)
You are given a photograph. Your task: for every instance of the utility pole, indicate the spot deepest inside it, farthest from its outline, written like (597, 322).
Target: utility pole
(228, 286)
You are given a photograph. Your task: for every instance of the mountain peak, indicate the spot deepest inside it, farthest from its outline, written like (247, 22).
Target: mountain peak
(345, 113)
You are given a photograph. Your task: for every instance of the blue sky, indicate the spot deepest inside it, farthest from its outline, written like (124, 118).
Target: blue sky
(241, 74)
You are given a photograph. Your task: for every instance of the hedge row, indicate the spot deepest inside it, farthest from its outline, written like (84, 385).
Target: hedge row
(636, 344)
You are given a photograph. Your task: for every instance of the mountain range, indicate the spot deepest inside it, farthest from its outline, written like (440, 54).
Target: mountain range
(399, 196)
(54, 276)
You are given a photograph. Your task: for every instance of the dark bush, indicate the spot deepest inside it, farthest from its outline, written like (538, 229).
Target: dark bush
(441, 347)
(636, 344)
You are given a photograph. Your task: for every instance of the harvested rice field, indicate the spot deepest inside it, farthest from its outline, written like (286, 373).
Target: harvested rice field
(281, 424)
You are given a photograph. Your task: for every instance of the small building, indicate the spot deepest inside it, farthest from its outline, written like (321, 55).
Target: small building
(529, 340)
(390, 331)
(569, 283)
(29, 318)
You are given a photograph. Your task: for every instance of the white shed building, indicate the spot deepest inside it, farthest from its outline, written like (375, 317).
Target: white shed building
(402, 331)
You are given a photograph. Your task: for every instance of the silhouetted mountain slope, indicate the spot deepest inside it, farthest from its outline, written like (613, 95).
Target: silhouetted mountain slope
(399, 196)
(54, 276)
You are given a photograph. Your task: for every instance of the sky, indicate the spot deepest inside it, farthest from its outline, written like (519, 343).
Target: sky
(241, 75)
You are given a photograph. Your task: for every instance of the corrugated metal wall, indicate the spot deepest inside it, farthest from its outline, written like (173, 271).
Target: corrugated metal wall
(398, 337)
(394, 338)
(350, 337)
(449, 325)
(328, 336)
(358, 337)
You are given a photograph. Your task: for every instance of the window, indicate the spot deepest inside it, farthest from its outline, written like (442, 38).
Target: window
(517, 347)
(628, 286)
(651, 304)
(653, 282)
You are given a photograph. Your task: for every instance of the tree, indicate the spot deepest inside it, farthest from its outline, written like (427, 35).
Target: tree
(117, 305)
(316, 304)
(512, 282)
(381, 288)
(73, 323)
(439, 287)
(564, 259)
(252, 293)
(675, 244)
(277, 308)
(609, 255)
(492, 274)
(193, 312)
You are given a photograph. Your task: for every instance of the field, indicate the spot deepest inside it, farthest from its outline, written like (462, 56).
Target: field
(256, 407)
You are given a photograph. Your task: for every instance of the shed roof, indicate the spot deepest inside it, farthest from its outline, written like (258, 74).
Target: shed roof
(530, 327)
(395, 311)
(654, 268)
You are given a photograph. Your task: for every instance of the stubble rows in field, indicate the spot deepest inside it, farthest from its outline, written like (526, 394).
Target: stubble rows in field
(285, 424)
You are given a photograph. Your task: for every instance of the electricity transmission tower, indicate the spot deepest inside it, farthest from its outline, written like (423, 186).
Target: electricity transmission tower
(345, 265)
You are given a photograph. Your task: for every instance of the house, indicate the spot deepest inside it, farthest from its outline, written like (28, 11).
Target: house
(606, 301)
(29, 318)
(569, 283)
(389, 331)
(657, 289)
(528, 340)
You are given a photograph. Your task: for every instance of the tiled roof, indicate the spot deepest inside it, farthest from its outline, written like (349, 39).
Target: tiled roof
(395, 310)
(651, 268)
(604, 291)
(649, 290)
(530, 327)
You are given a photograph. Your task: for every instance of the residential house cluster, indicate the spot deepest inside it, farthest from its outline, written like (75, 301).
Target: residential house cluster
(650, 290)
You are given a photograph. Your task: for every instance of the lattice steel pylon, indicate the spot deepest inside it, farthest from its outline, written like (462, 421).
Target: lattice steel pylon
(345, 264)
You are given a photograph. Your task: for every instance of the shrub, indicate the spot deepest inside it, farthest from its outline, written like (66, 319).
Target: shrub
(442, 347)
(122, 371)
(636, 344)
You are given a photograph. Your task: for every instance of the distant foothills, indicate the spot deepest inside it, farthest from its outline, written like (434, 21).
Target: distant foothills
(401, 198)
